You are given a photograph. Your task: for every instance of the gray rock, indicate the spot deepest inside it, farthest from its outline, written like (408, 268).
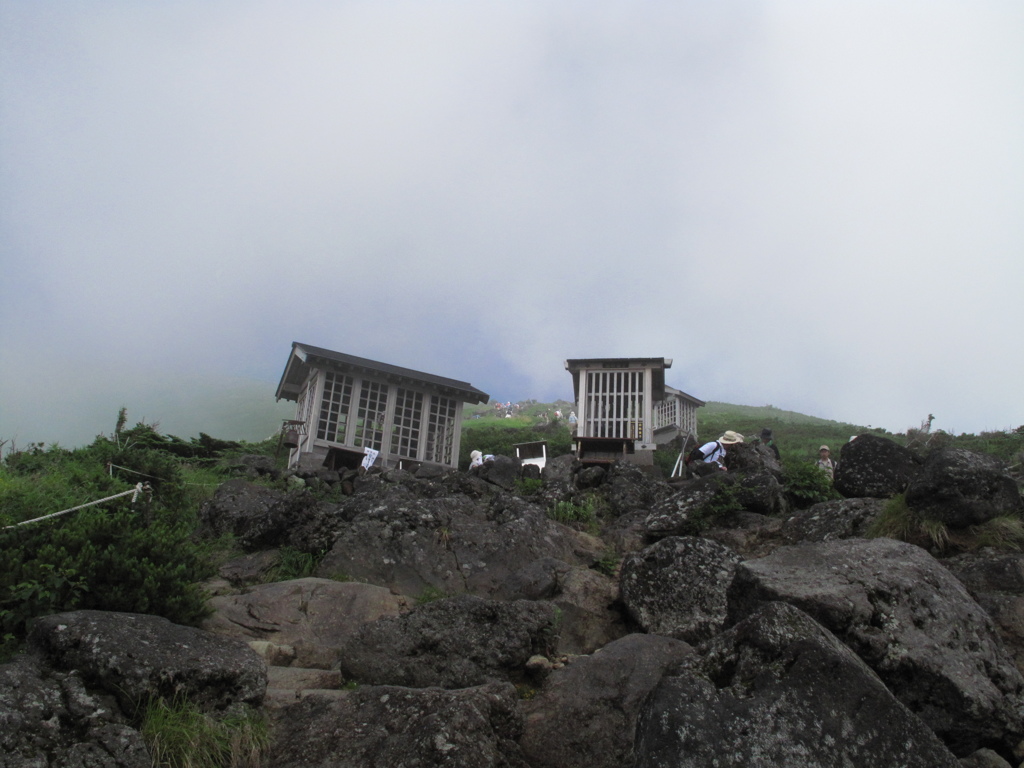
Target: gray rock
(561, 470)
(590, 614)
(137, 657)
(262, 518)
(541, 579)
(234, 504)
(591, 477)
(874, 466)
(778, 690)
(390, 726)
(502, 471)
(254, 465)
(677, 587)
(628, 488)
(911, 621)
(996, 581)
(430, 472)
(451, 544)
(689, 509)
(312, 616)
(585, 715)
(252, 568)
(748, 534)
(962, 488)
(984, 758)
(758, 474)
(48, 718)
(754, 458)
(452, 643)
(831, 520)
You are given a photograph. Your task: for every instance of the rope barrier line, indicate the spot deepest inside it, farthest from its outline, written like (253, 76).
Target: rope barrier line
(139, 488)
(112, 467)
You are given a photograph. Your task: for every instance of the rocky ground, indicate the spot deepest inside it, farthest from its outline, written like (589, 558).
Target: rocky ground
(453, 623)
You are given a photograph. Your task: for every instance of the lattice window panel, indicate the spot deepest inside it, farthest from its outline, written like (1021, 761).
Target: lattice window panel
(614, 404)
(405, 430)
(370, 415)
(335, 406)
(440, 430)
(666, 413)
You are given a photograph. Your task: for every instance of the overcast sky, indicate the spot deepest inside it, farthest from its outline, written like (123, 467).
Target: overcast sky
(815, 205)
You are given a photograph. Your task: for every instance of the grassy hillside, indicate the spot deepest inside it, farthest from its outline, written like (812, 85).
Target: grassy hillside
(797, 435)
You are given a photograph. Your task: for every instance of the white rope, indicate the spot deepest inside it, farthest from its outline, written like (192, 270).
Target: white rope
(139, 487)
(112, 467)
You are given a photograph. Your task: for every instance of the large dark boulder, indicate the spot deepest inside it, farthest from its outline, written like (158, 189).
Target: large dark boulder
(502, 471)
(585, 715)
(690, 508)
(450, 544)
(628, 488)
(831, 520)
(452, 643)
(874, 466)
(390, 726)
(753, 458)
(911, 621)
(779, 690)
(759, 478)
(49, 718)
(137, 657)
(677, 587)
(962, 488)
(996, 580)
(590, 615)
(262, 518)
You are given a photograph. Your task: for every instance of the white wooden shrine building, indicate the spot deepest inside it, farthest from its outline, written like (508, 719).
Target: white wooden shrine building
(624, 408)
(346, 405)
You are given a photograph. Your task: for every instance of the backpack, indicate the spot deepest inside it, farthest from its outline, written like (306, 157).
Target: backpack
(694, 456)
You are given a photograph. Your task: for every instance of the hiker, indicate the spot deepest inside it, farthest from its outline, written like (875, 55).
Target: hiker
(825, 462)
(768, 439)
(572, 421)
(715, 452)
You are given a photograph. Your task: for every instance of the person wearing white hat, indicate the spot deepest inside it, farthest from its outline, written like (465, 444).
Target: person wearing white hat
(825, 462)
(715, 451)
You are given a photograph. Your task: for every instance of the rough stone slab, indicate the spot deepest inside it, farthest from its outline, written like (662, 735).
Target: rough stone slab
(135, 657)
(911, 620)
(313, 617)
(779, 690)
(392, 726)
(585, 715)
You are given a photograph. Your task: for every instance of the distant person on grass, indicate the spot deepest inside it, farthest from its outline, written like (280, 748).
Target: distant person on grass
(768, 439)
(825, 462)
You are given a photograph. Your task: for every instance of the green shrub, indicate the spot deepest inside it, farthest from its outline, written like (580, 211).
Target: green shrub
(528, 486)
(805, 484)
(180, 735)
(569, 512)
(111, 556)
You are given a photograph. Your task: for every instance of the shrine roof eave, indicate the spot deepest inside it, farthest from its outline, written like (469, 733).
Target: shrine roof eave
(303, 357)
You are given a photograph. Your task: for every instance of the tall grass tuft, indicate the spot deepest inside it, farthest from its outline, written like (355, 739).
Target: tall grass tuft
(1000, 533)
(180, 735)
